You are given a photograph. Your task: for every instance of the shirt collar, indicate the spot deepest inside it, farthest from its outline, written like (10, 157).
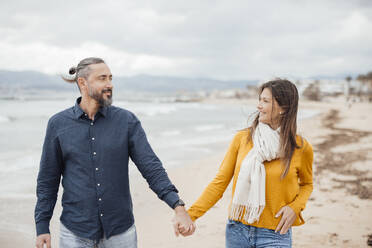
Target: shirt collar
(78, 112)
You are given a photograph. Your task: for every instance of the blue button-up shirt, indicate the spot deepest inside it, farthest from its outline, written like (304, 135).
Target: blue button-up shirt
(92, 158)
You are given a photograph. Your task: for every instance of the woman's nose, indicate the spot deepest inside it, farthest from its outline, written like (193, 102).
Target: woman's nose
(259, 107)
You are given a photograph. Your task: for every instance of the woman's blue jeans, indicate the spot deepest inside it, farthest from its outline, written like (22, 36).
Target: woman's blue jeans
(239, 235)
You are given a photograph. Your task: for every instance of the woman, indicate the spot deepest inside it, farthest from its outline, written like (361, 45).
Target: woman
(271, 168)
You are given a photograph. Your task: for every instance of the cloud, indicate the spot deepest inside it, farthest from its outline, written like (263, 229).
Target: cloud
(53, 59)
(218, 39)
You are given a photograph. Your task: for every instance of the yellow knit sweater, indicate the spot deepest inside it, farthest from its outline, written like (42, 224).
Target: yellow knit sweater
(294, 190)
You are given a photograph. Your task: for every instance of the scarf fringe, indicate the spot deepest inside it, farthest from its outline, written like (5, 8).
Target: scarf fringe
(249, 214)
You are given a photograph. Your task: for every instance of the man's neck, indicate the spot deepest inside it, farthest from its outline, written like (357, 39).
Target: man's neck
(89, 106)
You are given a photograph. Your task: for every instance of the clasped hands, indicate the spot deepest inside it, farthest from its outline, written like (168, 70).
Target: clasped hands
(182, 222)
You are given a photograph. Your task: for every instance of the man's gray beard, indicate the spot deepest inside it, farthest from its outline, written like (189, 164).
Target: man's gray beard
(105, 103)
(99, 98)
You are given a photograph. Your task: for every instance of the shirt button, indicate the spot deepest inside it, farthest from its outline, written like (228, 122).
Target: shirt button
(94, 153)
(93, 138)
(99, 199)
(101, 215)
(85, 114)
(98, 184)
(91, 123)
(96, 169)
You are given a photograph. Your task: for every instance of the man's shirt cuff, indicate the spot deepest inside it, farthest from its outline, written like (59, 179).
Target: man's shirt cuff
(42, 227)
(171, 198)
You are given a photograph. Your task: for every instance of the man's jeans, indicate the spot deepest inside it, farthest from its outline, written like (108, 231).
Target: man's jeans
(239, 235)
(127, 239)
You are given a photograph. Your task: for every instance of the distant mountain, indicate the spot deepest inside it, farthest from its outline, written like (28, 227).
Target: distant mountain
(30, 80)
(143, 83)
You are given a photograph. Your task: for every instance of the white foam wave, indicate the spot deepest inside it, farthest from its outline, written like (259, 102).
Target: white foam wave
(4, 119)
(148, 109)
(204, 128)
(171, 133)
(11, 164)
(17, 196)
(202, 140)
(306, 114)
(156, 110)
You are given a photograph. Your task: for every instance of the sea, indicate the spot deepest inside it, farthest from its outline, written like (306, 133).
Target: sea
(180, 133)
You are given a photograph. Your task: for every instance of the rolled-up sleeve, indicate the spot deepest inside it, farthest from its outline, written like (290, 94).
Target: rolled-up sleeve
(48, 180)
(149, 164)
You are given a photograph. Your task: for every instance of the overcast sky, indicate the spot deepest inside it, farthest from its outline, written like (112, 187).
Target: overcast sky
(235, 39)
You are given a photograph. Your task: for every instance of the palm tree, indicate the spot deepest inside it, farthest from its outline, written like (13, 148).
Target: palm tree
(347, 89)
(362, 79)
(369, 85)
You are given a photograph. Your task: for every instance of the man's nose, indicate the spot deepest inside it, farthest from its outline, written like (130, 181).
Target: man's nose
(109, 84)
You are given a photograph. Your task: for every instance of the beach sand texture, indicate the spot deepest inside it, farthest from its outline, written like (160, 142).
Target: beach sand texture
(338, 213)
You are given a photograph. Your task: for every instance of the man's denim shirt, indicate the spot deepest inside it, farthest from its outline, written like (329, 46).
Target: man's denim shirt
(92, 158)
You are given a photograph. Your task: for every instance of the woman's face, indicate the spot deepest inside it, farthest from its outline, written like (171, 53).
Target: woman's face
(269, 109)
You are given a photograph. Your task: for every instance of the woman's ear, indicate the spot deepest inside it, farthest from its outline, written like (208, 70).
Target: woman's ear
(281, 110)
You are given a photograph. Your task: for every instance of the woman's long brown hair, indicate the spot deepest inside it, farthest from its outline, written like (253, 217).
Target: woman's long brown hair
(286, 95)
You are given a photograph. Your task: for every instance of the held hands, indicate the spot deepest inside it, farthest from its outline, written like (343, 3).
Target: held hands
(182, 222)
(43, 239)
(288, 217)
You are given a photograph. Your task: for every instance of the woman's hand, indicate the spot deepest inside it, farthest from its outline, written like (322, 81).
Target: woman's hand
(288, 217)
(182, 222)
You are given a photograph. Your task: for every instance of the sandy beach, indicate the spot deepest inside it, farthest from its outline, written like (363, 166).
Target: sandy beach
(338, 213)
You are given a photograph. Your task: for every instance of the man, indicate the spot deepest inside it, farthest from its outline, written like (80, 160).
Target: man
(89, 145)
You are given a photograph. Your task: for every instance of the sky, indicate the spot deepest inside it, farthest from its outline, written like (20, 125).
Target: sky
(235, 39)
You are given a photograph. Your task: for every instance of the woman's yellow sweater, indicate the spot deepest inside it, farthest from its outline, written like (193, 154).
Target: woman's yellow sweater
(294, 190)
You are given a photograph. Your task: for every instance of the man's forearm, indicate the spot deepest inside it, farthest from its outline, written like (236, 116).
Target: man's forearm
(43, 214)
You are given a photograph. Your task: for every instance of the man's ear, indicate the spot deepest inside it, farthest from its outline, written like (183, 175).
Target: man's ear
(81, 82)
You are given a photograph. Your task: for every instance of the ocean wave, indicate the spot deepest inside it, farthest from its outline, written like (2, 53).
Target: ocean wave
(202, 140)
(146, 109)
(307, 113)
(156, 110)
(4, 119)
(171, 133)
(203, 128)
(14, 164)
(17, 196)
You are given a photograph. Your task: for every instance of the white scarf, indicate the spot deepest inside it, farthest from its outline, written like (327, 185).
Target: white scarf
(249, 196)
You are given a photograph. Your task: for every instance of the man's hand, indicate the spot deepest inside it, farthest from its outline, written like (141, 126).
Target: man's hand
(289, 216)
(43, 239)
(182, 222)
